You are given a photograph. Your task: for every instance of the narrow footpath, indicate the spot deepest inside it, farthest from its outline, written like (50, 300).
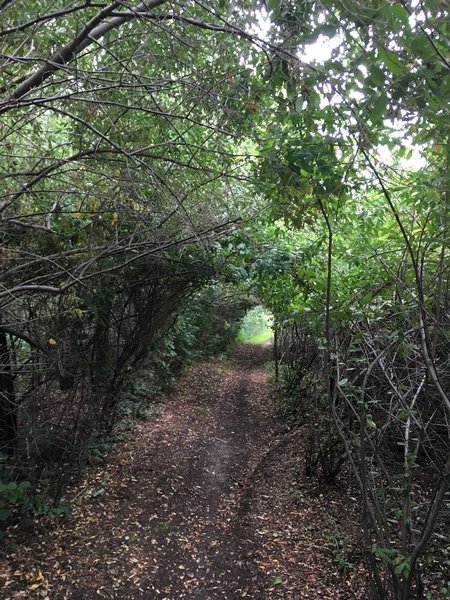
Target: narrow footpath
(205, 501)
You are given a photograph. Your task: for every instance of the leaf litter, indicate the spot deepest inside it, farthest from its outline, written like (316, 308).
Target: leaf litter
(207, 501)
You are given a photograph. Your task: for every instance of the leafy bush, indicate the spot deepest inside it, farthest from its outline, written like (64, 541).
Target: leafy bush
(12, 495)
(338, 544)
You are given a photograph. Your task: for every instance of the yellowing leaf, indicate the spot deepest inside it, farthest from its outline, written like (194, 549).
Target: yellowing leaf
(52, 342)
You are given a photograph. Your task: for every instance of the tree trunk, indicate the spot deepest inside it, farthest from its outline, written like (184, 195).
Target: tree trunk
(275, 352)
(8, 408)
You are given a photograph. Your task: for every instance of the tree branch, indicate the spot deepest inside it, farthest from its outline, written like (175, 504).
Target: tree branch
(94, 30)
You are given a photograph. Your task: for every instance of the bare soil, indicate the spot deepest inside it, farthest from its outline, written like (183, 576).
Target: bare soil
(206, 501)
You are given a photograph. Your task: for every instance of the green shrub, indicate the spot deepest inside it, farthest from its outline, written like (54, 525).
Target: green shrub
(12, 495)
(339, 546)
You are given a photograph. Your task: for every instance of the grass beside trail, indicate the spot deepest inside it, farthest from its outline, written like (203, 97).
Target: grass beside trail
(259, 338)
(255, 327)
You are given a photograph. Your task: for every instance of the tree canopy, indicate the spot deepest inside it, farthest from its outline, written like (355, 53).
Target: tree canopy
(158, 156)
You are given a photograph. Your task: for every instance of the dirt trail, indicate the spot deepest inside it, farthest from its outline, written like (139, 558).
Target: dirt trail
(198, 504)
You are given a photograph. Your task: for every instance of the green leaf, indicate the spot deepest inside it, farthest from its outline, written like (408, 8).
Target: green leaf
(391, 60)
(396, 15)
(291, 91)
(400, 13)
(370, 422)
(402, 568)
(432, 102)
(421, 46)
(274, 6)
(379, 108)
(278, 581)
(4, 514)
(377, 75)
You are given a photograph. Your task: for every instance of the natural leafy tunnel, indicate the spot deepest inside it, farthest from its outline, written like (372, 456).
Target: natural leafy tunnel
(165, 167)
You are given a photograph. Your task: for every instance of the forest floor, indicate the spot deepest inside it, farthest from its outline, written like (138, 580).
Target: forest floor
(206, 501)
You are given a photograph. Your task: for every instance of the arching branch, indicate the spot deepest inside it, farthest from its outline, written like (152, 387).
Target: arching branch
(95, 29)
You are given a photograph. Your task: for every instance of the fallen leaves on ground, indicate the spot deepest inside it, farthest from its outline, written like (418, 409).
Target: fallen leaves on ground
(206, 501)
